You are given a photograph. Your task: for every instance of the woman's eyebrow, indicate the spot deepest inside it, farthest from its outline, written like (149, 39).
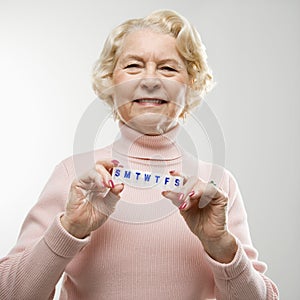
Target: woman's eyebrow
(162, 61)
(132, 57)
(170, 61)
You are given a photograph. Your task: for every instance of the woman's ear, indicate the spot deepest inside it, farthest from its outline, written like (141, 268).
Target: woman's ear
(184, 112)
(115, 113)
(191, 82)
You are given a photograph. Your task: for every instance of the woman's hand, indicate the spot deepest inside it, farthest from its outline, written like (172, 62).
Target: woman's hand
(204, 209)
(92, 198)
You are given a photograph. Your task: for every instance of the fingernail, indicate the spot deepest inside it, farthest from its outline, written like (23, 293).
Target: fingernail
(111, 184)
(115, 162)
(183, 206)
(172, 171)
(191, 193)
(181, 195)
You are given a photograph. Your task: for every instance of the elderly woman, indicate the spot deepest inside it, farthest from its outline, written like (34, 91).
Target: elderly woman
(92, 228)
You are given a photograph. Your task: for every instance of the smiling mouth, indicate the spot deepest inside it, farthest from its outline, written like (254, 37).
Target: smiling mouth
(150, 101)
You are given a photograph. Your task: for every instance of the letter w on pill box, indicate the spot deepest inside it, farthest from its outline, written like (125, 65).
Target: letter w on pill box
(142, 179)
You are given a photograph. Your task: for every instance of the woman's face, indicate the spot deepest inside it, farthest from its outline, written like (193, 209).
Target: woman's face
(150, 82)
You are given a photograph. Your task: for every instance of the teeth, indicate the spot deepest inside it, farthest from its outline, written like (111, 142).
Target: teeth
(156, 101)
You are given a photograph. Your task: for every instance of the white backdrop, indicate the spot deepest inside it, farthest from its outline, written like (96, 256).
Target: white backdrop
(47, 52)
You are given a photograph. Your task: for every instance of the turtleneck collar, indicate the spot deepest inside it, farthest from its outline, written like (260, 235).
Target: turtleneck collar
(155, 147)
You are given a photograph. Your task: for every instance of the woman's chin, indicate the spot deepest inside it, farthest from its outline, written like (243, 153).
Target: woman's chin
(152, 123)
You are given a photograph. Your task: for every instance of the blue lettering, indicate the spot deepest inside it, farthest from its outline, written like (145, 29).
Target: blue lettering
(127, 174)
(157, 178)
(147, 177)
(137, 175)
(117, 172)
(167, 179)
(177, 182)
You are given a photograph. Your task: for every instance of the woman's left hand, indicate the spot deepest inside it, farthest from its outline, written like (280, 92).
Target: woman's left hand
(204, 209)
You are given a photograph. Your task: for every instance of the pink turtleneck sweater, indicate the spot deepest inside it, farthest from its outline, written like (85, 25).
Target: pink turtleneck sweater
(145, 250)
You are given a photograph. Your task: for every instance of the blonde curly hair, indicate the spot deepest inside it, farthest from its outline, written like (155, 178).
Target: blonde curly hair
(188, 43)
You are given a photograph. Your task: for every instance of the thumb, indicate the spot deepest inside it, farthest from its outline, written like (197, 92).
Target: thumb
(111, 199)
(175, 197)
(117, 189)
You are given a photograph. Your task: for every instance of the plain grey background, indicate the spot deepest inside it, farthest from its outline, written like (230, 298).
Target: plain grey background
(47, 52)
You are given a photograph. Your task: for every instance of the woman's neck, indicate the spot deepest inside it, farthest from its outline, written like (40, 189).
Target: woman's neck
(155, 147)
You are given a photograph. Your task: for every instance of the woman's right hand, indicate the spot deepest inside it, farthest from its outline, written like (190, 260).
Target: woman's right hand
(92, 199)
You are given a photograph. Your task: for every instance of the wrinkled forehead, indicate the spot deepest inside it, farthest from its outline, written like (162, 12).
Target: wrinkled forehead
(149, 45)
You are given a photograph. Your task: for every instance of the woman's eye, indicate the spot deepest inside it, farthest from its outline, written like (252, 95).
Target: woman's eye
(167, 68)
(133, 66)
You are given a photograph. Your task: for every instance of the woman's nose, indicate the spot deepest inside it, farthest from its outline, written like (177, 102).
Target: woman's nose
(150, 83)
(150, 80)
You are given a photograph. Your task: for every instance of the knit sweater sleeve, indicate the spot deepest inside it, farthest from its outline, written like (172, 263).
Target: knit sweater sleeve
(34, 266)
(243, 278)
